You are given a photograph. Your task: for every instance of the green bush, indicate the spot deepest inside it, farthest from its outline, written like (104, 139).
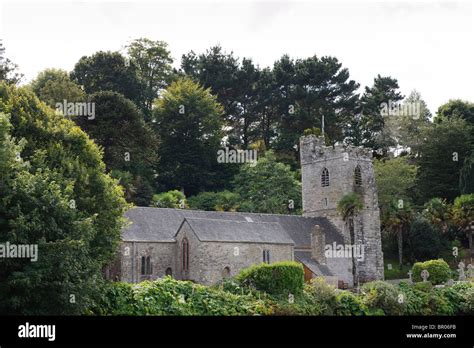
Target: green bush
(467, 305)
(348, 303)
(415, 298)
(324, 294)
(172, 297)
(279, 278)
(381, 298)
(439, 271)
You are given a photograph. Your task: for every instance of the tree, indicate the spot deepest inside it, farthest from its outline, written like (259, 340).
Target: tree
(466, 176)
(108, 71)
(371, 119)
(308, 90)
(56, 195)
(215, 201)
(425, 240)
(188, 122)
(217, 70)
(457, 108)
(348, 207)
(54, 86)
(396, 219)
(407, 127)
(8, 70)
(437, 212)
(171, 199)
(445, 146)
(128, 143)
(268, 187)
(153, 62)
(395, 179)
(463, 216)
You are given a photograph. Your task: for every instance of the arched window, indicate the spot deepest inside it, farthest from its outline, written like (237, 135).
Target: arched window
(146, 265)
(266, 256)
(185, 255)
(143, 265)
(169, 272)
(226, 273)
(358, 176)
(325, 177)
(149, 269)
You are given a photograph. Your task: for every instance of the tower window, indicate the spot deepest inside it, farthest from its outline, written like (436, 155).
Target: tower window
(185, 255)
(325, 177)
(358, 176)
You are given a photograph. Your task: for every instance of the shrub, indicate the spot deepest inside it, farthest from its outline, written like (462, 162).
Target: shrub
(279, 278)
(381, 298)
(324, 294)
(415, 298)
(117, 299)
(349, 304)
(439, 271)
(172, 297)
(467, 305)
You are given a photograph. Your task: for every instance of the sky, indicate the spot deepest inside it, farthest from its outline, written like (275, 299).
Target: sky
(425, 45)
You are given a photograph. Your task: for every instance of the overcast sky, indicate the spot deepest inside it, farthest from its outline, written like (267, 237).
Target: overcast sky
(426, 45)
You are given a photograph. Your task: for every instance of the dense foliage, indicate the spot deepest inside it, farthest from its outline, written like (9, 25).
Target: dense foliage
(56, 195)
(279, 278)
(171, 297)
(438, 270)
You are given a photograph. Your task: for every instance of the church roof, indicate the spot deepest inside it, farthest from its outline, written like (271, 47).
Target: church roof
(315, 267)
(214, 230)
(161, 224)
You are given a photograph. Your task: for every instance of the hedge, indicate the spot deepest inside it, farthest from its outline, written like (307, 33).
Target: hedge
(439, 271)
(279, 278)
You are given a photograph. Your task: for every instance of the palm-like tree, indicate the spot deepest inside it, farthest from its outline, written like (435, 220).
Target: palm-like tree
(463, 216)
(396, 220)
(437, 211)
(349, 206)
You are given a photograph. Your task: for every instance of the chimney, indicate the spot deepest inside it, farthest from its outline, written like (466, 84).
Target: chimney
(318, 242)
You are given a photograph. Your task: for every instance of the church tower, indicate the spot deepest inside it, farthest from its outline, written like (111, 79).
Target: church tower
(328, 174)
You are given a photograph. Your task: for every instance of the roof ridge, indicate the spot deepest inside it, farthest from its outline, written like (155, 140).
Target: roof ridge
(228, 212)
(235, 221)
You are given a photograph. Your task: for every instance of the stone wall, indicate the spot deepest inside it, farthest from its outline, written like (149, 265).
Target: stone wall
(162, 257)
(208, 260)
(341, 162)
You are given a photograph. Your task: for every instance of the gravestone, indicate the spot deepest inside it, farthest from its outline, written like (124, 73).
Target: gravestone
(424, 275)
(462, 276)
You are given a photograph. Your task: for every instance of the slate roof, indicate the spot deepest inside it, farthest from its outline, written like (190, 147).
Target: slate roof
(214, 230)
(161, 224)
(315, 267)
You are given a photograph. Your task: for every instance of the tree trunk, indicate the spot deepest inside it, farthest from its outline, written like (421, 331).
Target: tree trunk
(400, 246)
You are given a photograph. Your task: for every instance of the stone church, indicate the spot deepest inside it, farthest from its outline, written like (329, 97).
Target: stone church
(208, 246)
